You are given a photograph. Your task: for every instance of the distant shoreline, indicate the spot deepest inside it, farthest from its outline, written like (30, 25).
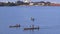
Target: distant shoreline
(21, 3)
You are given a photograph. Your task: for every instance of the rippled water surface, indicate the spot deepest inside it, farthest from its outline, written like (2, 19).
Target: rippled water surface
(47, 18)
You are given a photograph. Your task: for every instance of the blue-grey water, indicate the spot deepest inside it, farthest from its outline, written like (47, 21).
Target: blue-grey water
(47, 18)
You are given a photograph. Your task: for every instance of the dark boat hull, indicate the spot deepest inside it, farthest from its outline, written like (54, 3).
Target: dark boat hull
(31, 28)
(13, 26)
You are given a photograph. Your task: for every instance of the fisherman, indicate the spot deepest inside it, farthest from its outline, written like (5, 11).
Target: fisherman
(32, 19)
(32, 26)
(17, 25)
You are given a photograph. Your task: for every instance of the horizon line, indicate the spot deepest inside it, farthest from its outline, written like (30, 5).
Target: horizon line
(32, 1)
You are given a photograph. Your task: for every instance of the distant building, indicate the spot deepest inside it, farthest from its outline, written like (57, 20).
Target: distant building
(54, 4)
(41, 3)
(31, 3)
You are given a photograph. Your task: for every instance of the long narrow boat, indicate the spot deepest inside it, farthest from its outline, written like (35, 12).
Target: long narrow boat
(14, 26)
(32, 28)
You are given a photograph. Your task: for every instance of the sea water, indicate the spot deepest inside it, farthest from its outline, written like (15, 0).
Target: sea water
(46, 17)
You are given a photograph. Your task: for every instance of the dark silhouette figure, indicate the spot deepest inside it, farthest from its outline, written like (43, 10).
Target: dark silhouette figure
(32, 19)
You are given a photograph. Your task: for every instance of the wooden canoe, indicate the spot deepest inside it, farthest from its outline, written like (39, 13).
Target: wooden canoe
(32, 28)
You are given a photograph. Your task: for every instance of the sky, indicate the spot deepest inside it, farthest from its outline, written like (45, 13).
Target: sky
(56, 1)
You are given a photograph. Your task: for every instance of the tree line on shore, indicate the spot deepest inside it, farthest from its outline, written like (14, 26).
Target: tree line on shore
(17, 3)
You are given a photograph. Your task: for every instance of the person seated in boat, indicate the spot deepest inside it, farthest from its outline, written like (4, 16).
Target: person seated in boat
(32, 26)
(17, 25)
